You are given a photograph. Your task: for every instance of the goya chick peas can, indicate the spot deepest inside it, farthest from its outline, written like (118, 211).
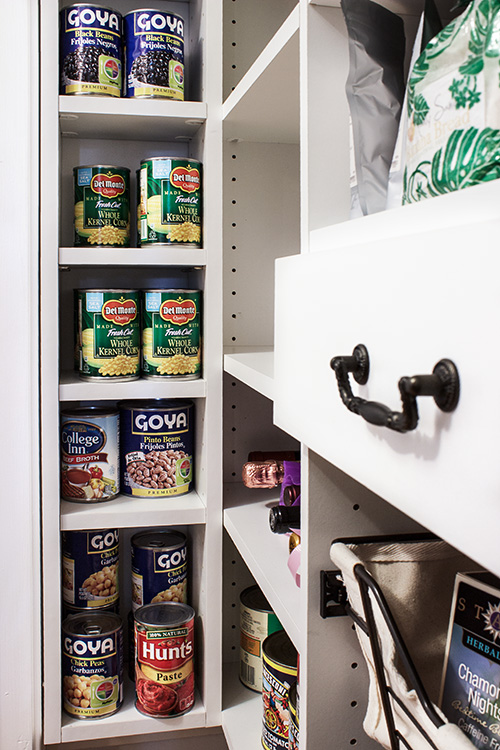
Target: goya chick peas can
(159, 567)
(90, 569)
(171, 333)
(102, 206)
(257, 621)
(164, 659)
(279, 673)
(109, 333)
(171, 202)
(92, 664)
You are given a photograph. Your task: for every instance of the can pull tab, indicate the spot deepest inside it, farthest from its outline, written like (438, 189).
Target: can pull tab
(93, 629)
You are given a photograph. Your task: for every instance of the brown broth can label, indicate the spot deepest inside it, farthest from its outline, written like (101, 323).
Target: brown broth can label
(102, 206)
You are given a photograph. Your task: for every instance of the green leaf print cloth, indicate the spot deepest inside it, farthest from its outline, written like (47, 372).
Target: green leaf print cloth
(453, 100)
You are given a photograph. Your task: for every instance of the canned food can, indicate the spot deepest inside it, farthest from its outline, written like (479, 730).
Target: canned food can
(257, 621)
(90, 50)
(171, 333)
(109, 333)
(92, 664)
(279, 672)
(90, 470)
(102, 205)
(157, 440)
(154, 54)
(90, 566)
(159, 567)
(171, 208)
(293, 729)
(164, 654)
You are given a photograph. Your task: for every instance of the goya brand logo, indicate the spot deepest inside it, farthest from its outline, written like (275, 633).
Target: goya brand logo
(169, 560)
(92, 16)
(103, 540)
(119, 311)
(146, 21)
(179, 312)
(108, 185)
(160, 423)
(82, 438)
(186, 179)
(89, 648)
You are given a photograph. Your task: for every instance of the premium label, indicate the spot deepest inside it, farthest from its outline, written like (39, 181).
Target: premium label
(102, 206)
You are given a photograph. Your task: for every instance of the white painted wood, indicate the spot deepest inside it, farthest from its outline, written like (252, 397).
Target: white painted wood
(243, 711)
(254, 368)
(144, 256)
(74, 388)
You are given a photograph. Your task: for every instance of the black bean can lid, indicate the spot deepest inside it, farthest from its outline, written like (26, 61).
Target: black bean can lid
(89, 624)
(80, 412)
(253, 598)
(279, 648)
(164, 614)
(163, 539)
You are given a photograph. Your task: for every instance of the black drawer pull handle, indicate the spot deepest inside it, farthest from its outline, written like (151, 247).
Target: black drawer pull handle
(443, 385)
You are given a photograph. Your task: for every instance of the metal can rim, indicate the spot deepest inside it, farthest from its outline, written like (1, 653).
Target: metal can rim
(165, 158)
(246, 600)
(84, 615)
(278, 647)
(172, 291)
(81, 411)
(185, 615)
(101, 166)
(173, 532)
(152, 10)
(109, 290)
(90, 5)
(151, 404)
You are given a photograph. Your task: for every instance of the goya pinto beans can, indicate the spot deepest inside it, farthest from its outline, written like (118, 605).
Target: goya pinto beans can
(109, 332)
(293, 729)
(92, 664)
(90, 50)
(279, 672)
(171, 333)
(102, 205)
(154, 54)
(159, 567)
(164, 654)
(90, 468)
(257, 621)
(90, 566)
(157, 440)
(171, 208)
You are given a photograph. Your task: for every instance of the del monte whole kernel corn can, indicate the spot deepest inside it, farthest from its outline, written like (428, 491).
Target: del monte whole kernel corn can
(102, 206)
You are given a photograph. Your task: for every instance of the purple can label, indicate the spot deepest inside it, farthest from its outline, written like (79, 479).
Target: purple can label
(90, 569)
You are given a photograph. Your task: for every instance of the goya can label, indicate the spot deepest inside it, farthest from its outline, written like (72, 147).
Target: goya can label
(90, 563)
(90, 50)
(164, 654)
(102, 205)
(257, 621)
(171, 328)
(92, 664)
(159, 567)
(90, 469)
(293, 729)
(279, 672)
(109, 332)
(170, 201)
(154, 54)
(157, 439)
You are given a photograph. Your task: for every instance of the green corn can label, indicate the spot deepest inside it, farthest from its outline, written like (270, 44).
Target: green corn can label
(171, 341)
(170, 202)
(109, 333)
(102, 206)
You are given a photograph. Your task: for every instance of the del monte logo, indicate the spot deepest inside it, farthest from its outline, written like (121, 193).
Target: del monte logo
(119, 311)
(179, 312)
(185, 178)
(108, 185)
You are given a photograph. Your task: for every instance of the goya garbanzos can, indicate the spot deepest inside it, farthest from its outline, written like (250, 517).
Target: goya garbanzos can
(102, 206)
(90, 50)
(279, 672)
(90, 566)
(92, 664)
(171, 333)
(164, 659)
(157, 443)
(154, 54)
(171, 208)
(159, 567)
(90, 468)
(109, 331)
(257, 621)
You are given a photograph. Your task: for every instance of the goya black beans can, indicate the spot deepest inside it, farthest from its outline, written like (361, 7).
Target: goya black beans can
(164, 659)
(171, 201)
(92, 664)
(90, 50)
(293, 729)
(154, 54)
(109, 329)
(102, 206)
(157, 441)
(257, 621)
(159, 567)
(171, 333)
(90, 568)
(279, 672)
(90, 468)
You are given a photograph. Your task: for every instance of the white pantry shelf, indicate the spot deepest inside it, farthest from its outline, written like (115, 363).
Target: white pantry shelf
(242, 711)
(132, 256)
(254, 367)
(73, 388)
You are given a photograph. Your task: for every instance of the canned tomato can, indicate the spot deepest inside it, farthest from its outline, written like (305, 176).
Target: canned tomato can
(257, 621)
(90, 566)
(154, 54)
(102, 205)
(90, 50)
(90, 469)
(171, 207)
(171, 333)
(159, 567)
(164, 653)
(279, 672)
(109, 332)
(293, 729)
(157, 441)
(92, 664)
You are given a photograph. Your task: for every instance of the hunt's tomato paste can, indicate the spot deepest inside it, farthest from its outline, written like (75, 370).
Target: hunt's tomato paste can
(164, 653)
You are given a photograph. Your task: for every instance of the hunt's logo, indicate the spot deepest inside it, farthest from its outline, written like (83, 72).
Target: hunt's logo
(186, 179)
(179, 312)
(492, 620)
(119, 311)
(108, 185)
